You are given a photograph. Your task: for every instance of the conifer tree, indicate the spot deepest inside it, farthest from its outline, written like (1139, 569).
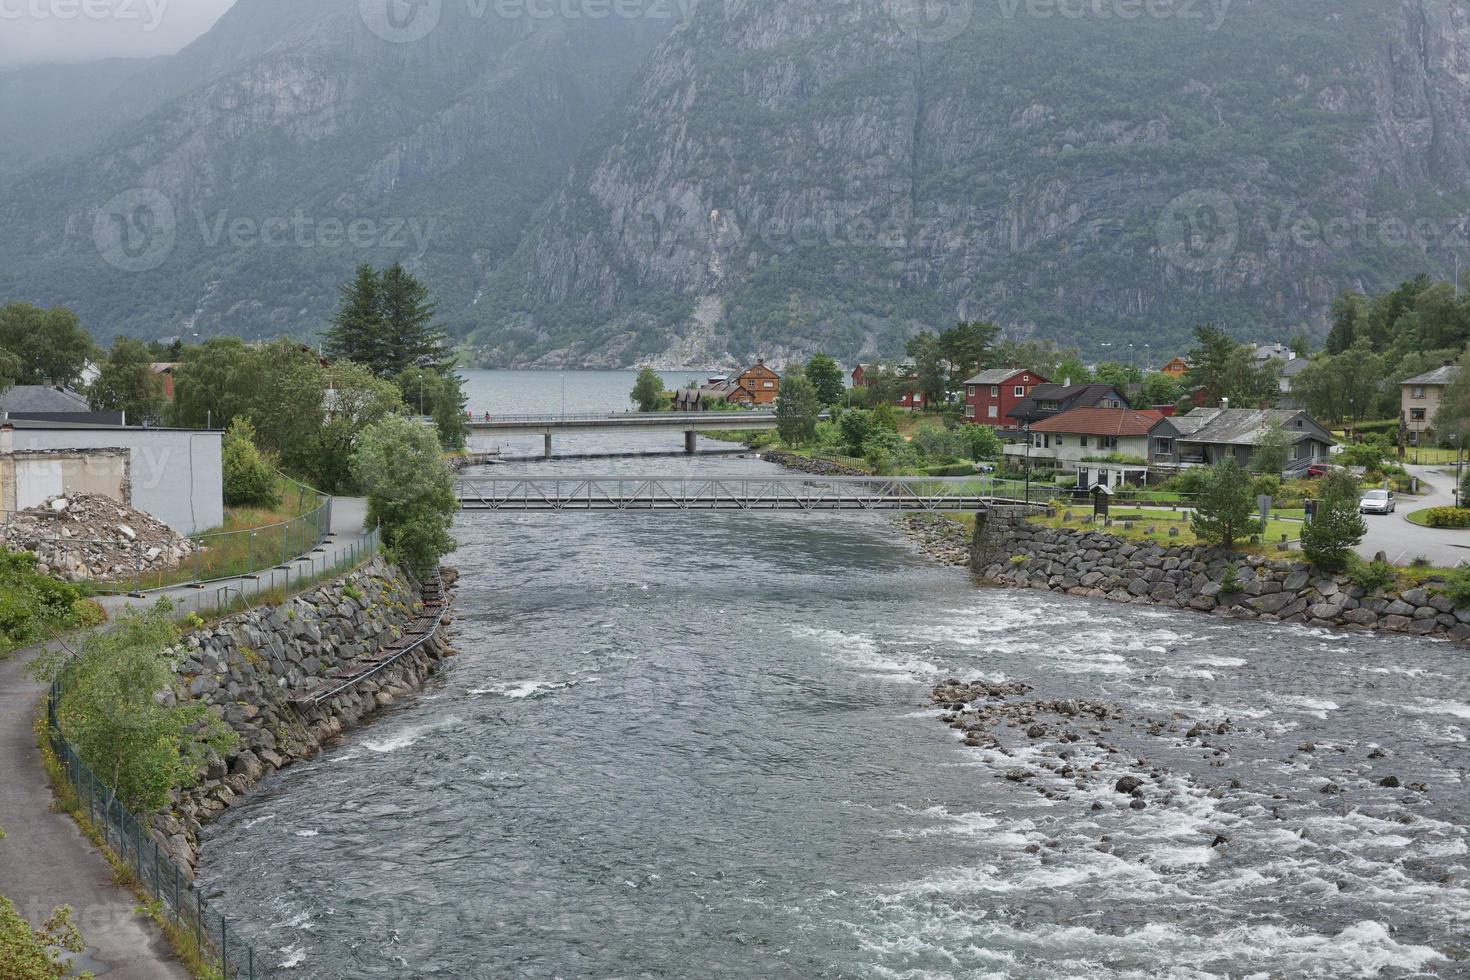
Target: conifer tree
(1225, 512)
(357, 331)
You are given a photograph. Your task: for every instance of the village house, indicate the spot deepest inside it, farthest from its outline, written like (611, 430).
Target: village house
(991, 396)
(865, 376)
(1419, 399)
(1176, 368)
(1207, 436)
(43, 403)
(1050, 400)
(757, 386)
(1107, 446)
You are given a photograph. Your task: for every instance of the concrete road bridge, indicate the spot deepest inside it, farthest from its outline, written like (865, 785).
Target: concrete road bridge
(781, 493)
(689, 423)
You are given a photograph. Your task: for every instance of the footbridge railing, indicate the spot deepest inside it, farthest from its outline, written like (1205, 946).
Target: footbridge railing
(783, 493)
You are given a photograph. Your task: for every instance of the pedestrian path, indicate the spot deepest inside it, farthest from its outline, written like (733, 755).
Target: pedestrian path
(45, 861)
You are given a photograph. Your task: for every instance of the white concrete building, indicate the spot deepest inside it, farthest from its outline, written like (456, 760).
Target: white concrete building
(173, 474)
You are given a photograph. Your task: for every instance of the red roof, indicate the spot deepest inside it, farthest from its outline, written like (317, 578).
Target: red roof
(1102, 422)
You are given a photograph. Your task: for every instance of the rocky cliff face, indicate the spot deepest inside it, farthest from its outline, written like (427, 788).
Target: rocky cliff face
(696, 183)
(793, 175)
(263, 165)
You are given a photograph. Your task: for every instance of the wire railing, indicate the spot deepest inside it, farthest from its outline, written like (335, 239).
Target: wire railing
(213, 556)
(135, 844)
(221, 946)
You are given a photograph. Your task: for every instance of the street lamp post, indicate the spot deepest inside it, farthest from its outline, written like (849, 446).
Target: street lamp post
(1028, 460)
(1459, 468)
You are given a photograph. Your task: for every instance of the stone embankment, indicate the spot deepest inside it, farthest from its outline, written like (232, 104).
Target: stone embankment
(248, 666)
(943, 540)
(1009, 551)
(805, 464)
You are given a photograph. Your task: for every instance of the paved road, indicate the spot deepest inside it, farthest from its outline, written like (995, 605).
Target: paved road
(44, 859)
(1402, 541)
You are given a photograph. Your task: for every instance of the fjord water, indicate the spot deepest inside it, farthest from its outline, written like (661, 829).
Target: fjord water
(702, 746)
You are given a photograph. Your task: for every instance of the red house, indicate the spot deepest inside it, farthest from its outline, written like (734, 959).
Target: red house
(990, 396)
(863, 377)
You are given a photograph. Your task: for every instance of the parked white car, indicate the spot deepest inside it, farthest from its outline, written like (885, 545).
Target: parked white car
(1378, 502)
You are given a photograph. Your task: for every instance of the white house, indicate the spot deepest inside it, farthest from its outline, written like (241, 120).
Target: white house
(1107, 446)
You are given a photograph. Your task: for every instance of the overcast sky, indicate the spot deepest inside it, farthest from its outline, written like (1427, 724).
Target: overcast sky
(86, 30)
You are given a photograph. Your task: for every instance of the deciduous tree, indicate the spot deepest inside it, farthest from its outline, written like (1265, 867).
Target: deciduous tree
(126, 383)
(49, 345)
(826, 377)
(410, 491)
(648, 391)
(796, 412)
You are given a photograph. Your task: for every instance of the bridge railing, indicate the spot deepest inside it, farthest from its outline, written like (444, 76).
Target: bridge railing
(809, 493)
(649, 417)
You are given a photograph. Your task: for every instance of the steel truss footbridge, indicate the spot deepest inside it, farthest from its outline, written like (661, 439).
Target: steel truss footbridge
(779, 493)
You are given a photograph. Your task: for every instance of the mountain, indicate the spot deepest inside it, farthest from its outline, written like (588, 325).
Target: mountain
(764, 177)
(789, 176)
(247, 175)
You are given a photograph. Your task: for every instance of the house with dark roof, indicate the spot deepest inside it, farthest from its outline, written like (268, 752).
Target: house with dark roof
(1050, 400)
(43, 403)
(1207, 436)
(1419, 399)
(1107, 446)
(991, 396)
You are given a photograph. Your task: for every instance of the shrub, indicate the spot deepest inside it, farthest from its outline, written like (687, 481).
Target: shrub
(34, 954)
(1456, 585)
(250, 480)
(1374, 576)
(32, 604)
(1447, 517)
(951, 469)
(141, 746)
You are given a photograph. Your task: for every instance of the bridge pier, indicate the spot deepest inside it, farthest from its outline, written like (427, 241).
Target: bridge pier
(691, 440)
(547, 453)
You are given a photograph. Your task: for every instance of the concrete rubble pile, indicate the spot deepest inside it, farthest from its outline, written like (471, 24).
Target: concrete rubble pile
(90, 537)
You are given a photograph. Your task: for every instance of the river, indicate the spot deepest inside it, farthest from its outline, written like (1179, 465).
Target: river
(704, 746)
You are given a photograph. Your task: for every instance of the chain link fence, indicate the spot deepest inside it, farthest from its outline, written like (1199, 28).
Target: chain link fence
(135, 844)
(114, 568)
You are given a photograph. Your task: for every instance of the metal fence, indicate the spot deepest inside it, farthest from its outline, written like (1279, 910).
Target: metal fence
(216, 555)
(130, 837)
(159, 877)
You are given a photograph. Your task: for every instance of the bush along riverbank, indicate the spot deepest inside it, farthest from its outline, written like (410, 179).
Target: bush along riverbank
(1009, 551)
(251, 669)
(805, 464)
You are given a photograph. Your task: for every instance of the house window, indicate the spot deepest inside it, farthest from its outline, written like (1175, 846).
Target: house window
(1082, 442)
(993, 412)
(969, 391)
(1417, 392)
(1020, 391)
(1416, 415)
(995, 391)
(1059, 440)
(969, 411)
(1166, 446)
(770, 384)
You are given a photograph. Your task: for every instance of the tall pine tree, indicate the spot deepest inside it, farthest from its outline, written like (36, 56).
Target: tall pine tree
(357, 332)
(411, 340)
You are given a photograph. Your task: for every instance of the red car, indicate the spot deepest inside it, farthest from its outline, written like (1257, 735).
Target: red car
(1320, 469)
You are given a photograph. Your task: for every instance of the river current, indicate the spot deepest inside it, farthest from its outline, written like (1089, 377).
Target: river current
(704, 746)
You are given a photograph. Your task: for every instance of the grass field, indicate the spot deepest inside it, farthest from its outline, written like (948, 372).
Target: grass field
(1155, 525)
